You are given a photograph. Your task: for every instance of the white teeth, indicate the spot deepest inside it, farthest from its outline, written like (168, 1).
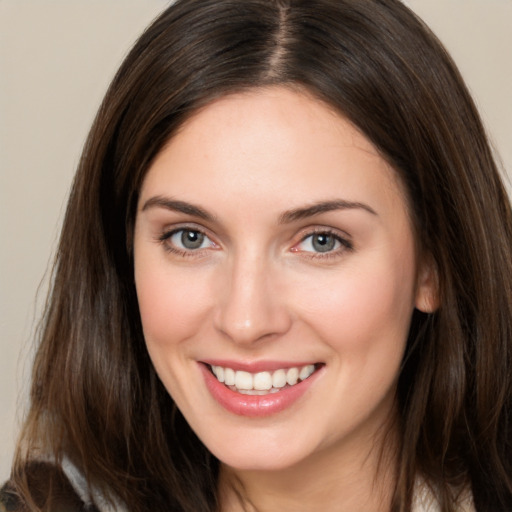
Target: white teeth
(218, 371)
(262, 383)
(256, 391)
(243, 380)
(306, 371)
(292, 376)
(229, 377)
(279, 379)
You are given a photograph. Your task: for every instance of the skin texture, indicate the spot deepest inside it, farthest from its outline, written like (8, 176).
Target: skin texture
(257, 290)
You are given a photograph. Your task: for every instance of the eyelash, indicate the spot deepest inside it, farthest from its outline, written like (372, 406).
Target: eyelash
(345, 245)
(165, 238)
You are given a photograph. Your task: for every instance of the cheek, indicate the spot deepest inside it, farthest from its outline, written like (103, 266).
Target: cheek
(367, 307)
(172, 304)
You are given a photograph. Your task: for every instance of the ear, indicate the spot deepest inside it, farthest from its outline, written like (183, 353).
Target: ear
(427, 286)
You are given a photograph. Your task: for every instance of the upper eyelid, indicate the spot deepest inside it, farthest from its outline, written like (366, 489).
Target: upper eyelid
(303, 233)
(185, 226)
(165, 234)
(168, 234)
(315, 230)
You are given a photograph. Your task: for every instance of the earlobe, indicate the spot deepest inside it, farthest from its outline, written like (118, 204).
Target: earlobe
(427, 291)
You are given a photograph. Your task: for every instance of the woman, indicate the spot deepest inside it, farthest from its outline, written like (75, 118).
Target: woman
(283, 279)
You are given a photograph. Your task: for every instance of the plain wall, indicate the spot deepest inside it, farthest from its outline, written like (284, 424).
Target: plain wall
(56, 60)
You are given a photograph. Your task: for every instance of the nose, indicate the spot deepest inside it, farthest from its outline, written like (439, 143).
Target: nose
(251, 303)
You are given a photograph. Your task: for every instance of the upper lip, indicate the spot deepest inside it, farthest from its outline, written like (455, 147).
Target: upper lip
(256, 366)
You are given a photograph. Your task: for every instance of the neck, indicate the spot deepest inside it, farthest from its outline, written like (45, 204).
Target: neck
(338, 479)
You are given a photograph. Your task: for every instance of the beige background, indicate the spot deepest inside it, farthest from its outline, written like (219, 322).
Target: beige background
(56, 59)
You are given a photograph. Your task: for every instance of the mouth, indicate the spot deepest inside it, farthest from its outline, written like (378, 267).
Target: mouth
(259, 389)
(263, 382)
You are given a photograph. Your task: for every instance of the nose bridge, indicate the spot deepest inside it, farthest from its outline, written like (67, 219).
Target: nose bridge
(250, 305)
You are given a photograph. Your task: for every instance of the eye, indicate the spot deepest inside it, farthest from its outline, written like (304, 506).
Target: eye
(322, 242)
(186, 240)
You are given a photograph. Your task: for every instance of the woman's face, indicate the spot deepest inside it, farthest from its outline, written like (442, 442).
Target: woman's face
(273, 247)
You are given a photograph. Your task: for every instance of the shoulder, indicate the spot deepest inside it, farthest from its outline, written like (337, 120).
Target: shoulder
(50, 488)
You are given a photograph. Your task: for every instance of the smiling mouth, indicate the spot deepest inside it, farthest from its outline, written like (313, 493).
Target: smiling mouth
(262, 383)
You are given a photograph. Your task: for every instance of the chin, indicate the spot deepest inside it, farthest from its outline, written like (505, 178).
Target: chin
(263, 455)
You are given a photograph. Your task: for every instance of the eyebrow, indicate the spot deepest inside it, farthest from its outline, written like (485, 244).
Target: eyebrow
(178, 206)
(323, 207)
(285, 218)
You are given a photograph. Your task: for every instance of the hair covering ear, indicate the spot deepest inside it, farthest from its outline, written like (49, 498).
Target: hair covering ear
(427, 290)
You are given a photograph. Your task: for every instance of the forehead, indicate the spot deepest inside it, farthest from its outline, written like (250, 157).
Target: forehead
(257, 110)
(276, 143)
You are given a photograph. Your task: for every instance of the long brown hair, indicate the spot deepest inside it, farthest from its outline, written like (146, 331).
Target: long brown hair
(95, 396)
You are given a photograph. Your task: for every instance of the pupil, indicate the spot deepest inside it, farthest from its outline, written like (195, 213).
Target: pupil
(323, 243)
(192, 239)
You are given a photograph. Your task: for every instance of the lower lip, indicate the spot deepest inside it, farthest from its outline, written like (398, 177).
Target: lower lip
(255, 405)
